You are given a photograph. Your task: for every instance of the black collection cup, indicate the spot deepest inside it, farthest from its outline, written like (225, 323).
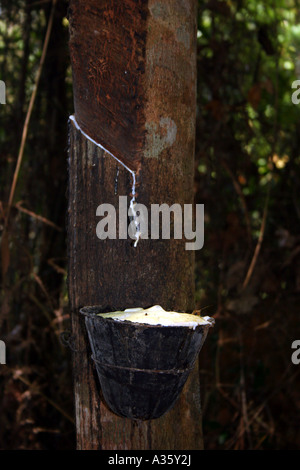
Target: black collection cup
(142, 368)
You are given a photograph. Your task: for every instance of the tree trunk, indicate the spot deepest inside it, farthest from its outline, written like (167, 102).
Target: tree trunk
(134, 71)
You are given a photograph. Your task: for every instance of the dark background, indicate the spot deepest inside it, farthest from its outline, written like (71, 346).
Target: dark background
(247, 274)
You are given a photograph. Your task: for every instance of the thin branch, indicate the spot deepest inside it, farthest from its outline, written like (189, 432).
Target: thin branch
(38, 217)
(38, 391)
(28, 115)
(259, 242)
(263, 223)
(55, 266)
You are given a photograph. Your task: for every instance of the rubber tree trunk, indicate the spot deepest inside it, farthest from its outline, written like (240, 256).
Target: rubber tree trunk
(134, 72)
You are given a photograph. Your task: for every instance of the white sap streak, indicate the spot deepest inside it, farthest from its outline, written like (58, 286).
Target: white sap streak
(132, 201)
(136, 222)
(72, 118)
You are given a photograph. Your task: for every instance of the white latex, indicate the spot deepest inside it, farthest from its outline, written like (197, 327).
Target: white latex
(156, 315)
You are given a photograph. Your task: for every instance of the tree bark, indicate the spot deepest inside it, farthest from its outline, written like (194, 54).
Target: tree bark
(134, 70)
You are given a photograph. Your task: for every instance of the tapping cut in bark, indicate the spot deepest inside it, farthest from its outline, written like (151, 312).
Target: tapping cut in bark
(109, 68)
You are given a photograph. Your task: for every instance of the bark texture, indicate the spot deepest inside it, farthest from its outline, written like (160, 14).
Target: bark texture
(152, 132)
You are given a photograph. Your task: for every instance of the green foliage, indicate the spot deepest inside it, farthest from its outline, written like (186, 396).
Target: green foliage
(248, 56)
(247, 155)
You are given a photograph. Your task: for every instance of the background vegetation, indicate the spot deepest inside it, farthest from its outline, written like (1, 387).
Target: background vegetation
(246, 174)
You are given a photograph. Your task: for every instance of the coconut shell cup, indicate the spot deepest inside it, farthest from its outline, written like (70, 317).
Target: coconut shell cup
(142, 368)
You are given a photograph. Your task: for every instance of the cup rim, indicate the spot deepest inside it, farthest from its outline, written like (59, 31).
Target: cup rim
(209, 321)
